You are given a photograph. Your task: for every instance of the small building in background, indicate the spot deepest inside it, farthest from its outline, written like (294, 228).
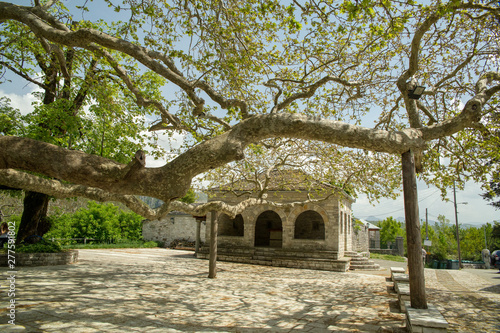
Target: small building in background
(174, 227)
(373, 235)
(360, 236)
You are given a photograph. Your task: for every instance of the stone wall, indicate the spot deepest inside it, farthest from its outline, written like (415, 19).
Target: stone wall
(171, 227)
(42, 259)
(360, 239)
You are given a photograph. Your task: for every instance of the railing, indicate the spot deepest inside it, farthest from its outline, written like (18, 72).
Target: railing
(85, 239)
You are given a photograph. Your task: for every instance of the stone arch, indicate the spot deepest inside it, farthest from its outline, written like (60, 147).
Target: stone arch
(231, 227)
(269, 229)
(309, 225)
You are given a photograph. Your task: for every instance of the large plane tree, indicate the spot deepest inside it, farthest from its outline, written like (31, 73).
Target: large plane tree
(241, 73)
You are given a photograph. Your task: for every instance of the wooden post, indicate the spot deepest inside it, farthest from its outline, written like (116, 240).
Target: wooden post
(456, 223)
(212, 261)
(414, 241)
(198, 231)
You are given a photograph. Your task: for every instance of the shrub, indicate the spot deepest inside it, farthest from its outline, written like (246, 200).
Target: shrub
(43, 246)
(102, 222)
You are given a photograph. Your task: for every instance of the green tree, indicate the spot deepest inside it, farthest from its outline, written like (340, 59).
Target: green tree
(190, 197)
(471, 243)
(389, 230)
(495, 236)
(444, 244)
(102, 222)
(72, 111)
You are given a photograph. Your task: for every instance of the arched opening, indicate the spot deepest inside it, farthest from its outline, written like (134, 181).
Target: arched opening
(269, 230)
(231, 227)
(309, 225)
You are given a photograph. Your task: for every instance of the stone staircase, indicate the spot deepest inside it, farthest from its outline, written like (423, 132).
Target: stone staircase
(277, 257)
(361, 261)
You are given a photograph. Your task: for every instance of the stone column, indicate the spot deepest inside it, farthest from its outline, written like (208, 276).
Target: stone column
(400, 246)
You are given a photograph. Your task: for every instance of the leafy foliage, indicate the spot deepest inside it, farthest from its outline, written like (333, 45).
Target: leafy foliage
(102, 222)
(190, 197)
(43, 246)
(389, 230)
(444, 240)
(472, 240)
(336, 61)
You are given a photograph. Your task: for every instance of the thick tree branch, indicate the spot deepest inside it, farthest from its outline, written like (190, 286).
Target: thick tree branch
(58, 189)
(432, 119)
(61, 190)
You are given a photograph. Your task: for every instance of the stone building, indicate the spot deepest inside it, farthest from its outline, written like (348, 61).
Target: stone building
(360, 237)
(313, 235)
(373, 235)
(174, 226)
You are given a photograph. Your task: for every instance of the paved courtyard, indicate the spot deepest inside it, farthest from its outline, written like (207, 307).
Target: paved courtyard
(160, 290)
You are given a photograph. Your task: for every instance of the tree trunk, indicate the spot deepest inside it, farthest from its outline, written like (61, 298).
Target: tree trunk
(415, 263)
(34, 219)
(212, 261)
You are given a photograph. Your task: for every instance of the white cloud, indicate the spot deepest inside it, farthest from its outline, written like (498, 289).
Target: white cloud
(22, 102)
(170, 144)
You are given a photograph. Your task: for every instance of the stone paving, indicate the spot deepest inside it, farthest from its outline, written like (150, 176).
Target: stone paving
(168, 291)
(159, 290)
(468, 302)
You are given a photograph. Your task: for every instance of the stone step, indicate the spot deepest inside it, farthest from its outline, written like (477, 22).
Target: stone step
(363, 264)
(374, 267)
(319, 260)
(352, 254)
(360, 259)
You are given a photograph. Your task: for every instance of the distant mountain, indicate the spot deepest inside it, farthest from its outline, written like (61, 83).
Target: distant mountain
(372, 219)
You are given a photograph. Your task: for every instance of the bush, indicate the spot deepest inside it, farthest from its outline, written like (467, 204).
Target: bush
(102, 222)
(43, 246)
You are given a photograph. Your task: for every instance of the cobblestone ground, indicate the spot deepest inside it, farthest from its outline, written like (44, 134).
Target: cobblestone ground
(167, 291)
(159, 290)
(464, 300)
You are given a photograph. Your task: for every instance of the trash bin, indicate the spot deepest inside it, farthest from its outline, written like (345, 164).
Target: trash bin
(435, 264)
(443, 264)
(452, 264)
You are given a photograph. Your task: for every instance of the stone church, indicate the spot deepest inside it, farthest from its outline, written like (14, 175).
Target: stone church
(315, 235)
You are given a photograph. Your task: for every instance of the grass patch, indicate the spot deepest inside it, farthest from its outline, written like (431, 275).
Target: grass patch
(386, 257)
(124, 245)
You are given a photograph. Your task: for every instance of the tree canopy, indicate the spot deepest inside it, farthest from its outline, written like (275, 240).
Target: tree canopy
(247, 78)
